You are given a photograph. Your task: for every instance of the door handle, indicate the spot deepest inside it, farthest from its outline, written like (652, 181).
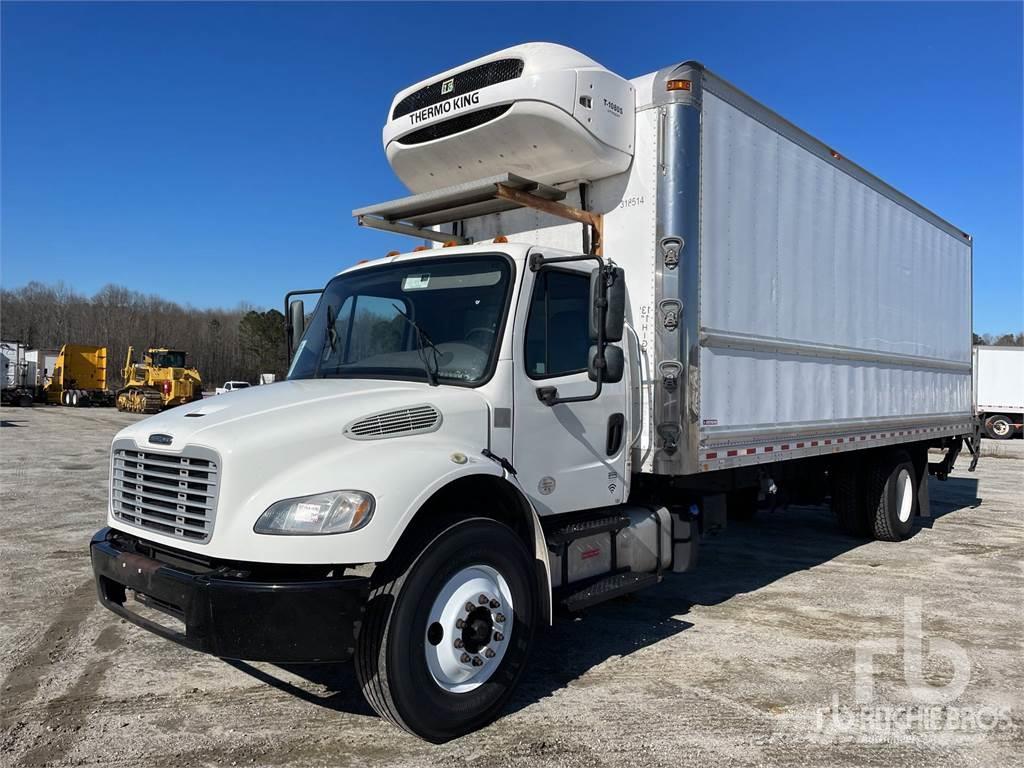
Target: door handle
(616, 423)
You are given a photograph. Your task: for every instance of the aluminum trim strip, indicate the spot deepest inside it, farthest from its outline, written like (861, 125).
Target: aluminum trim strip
(718, 339)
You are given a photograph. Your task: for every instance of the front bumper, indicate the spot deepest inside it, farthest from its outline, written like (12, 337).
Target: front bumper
(227, 609)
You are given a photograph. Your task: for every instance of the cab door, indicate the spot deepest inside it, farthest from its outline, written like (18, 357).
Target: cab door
(568, 456)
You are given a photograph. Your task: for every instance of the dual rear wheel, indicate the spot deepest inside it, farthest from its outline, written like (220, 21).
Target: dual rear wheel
(876, 495)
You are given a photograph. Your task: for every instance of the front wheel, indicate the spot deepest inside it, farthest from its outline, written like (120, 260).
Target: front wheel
(447, 635)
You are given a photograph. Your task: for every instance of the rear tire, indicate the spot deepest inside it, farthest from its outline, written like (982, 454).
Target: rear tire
(891, 496)
(409, 649)
(999, 427)
(846, 498)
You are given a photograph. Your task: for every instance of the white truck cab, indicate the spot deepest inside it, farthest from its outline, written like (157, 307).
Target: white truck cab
(548, 406)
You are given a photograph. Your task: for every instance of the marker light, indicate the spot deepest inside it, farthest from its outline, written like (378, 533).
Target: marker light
(449, 244)
(501, 239)
(389, 254)
(321, 513)
(678, 85)
(421, 248)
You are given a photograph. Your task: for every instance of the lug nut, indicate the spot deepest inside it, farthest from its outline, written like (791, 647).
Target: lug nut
(464, 658)
(459, 623)
(495, 604)
(477, 661)
(500, 618)
(489, 653)
(458, 642)
(499, 636)
(469, 607)
(482, 600)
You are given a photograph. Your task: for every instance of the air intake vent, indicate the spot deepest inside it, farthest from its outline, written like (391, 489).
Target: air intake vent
(455, 125)
(403, 421)
(464, 82)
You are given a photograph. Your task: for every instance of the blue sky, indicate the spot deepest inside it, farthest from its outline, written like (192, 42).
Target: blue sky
(213, 153)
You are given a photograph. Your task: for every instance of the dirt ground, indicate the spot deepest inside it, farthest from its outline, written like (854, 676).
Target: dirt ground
(756, 658)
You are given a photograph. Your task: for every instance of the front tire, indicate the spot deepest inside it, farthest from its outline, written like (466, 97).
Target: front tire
(448, 631)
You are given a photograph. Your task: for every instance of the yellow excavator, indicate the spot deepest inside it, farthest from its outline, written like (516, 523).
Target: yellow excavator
(160, 381)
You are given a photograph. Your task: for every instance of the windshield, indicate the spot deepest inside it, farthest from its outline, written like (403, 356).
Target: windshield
(435, 320)
(170, 359)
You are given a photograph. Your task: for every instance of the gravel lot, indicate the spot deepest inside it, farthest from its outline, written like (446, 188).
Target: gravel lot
(748, 661)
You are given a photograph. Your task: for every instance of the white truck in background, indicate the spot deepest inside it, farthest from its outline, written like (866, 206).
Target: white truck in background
(649, 301)
(231, 386)
(16, 375)
(999, 390)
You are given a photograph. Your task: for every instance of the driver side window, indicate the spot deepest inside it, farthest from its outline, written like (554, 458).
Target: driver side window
(557, 328)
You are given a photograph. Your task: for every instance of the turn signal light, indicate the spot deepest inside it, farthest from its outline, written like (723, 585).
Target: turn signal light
(678, 85)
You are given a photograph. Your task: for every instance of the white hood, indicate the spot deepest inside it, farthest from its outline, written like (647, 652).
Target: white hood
(289, 440)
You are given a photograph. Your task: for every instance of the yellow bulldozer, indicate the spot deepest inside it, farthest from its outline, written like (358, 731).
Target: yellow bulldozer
(160, 381)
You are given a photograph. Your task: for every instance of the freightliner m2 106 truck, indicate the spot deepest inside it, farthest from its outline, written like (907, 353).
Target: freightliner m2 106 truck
(647, 302)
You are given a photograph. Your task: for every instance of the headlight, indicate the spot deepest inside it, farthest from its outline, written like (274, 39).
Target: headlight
(332, 512)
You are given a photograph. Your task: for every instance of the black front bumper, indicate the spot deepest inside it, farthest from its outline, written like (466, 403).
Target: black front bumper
(229, 610)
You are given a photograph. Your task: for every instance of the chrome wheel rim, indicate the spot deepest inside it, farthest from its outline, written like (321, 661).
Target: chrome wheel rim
(468, 629)
(904, 495)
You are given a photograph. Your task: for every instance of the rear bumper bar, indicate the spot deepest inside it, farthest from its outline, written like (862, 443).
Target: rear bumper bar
(226, 612)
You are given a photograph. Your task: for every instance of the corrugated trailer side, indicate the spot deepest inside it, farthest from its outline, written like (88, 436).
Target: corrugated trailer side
(832, 312)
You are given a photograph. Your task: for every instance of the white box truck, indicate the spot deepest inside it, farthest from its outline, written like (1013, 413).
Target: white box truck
(649, 301)
(999, 390)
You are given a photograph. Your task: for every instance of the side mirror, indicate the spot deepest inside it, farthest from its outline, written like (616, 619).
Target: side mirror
(615, 303)
(610, 370)
(296, 323)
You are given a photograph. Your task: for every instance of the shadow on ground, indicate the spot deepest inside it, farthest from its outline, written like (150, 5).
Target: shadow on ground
(743, 559)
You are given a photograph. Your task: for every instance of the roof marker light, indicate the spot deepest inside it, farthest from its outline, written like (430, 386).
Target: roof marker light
(419, 248)
(501, 239)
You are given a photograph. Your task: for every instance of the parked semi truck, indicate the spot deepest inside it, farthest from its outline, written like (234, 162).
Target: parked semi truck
(999, 390)
(649, 301)
(79, 377)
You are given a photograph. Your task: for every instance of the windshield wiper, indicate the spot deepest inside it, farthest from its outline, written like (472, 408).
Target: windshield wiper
(422, 342)
(330, 339)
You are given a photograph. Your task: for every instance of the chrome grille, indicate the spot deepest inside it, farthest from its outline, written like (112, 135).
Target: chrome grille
(401, 421)
(171, 494)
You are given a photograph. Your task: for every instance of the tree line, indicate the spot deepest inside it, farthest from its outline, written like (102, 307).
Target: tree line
(223, 344)
(1004, 340)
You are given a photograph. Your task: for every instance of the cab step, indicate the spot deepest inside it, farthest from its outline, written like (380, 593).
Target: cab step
(610, 587)
(582, 528)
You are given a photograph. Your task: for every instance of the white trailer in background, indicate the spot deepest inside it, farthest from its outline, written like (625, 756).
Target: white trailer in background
(999, 390)
(15, 374)
(41, 363)
(655, 300)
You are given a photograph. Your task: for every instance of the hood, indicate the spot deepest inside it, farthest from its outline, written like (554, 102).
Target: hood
(306, 411)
